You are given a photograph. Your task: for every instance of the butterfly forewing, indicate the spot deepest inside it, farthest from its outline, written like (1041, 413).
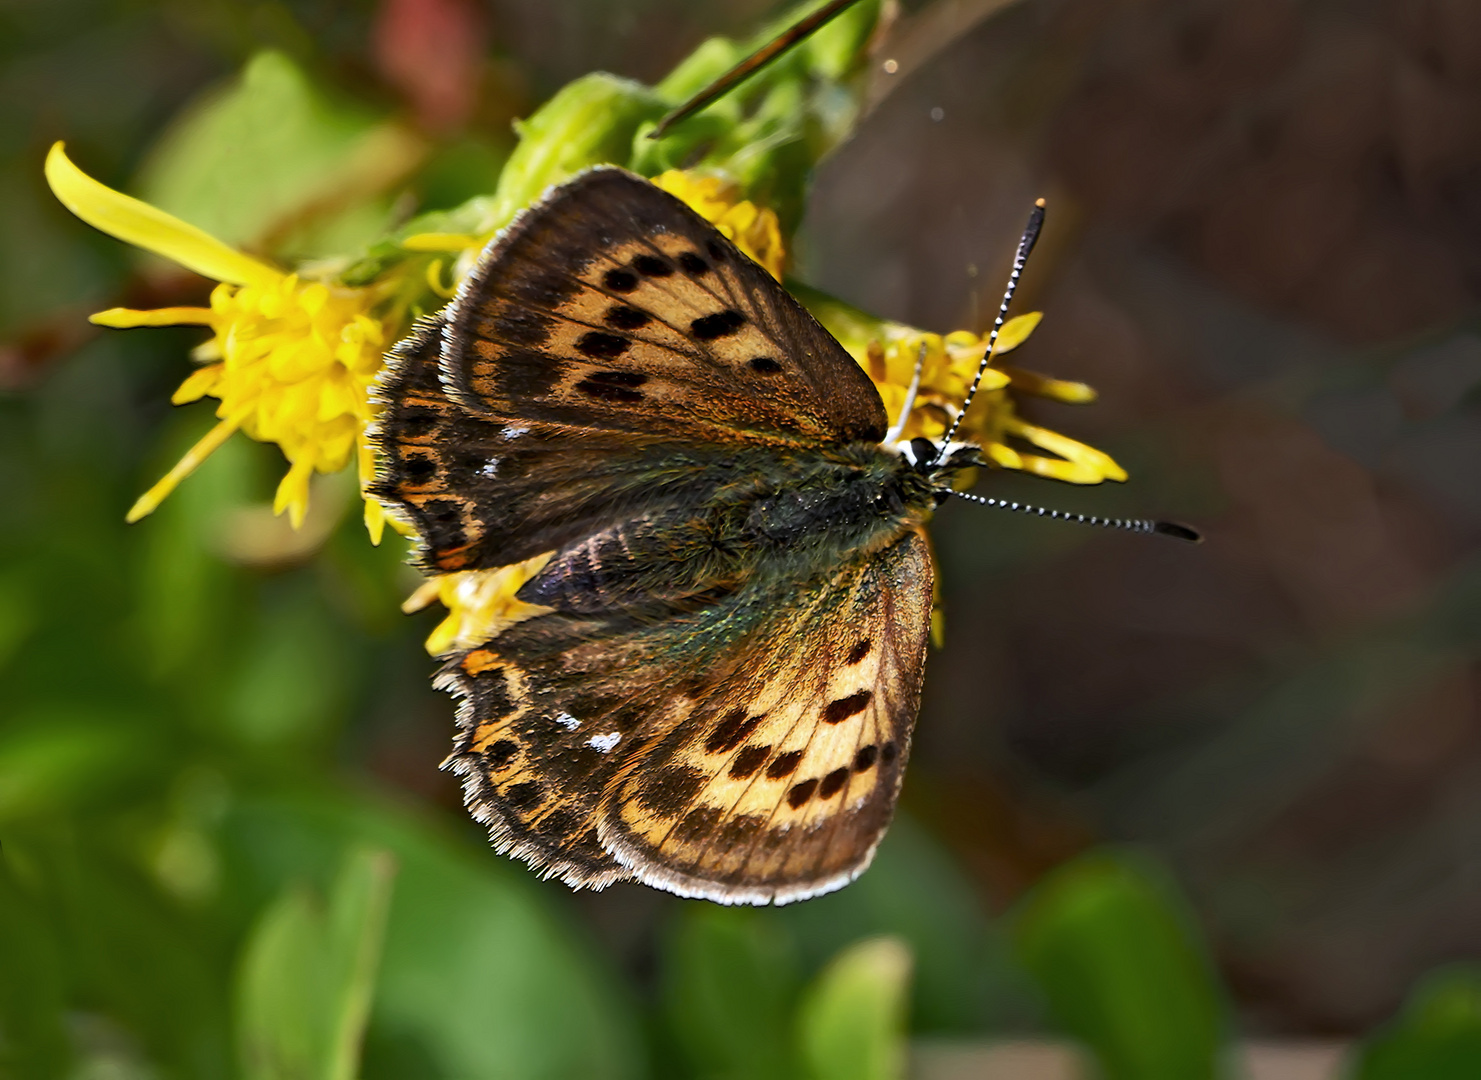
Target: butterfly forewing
(612, 305)
(483, 492)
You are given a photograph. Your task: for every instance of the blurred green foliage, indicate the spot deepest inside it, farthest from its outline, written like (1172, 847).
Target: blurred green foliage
(196, 865)
(1121, 967)
(1438, 1035)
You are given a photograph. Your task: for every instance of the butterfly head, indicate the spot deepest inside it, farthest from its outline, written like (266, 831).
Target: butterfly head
(939, 462)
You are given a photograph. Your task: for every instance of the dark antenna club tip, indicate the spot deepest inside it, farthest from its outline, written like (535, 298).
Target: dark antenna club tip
(1178, 531)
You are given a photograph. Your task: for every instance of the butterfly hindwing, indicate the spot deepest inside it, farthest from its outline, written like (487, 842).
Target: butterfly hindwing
(750, 753)
(611, 305)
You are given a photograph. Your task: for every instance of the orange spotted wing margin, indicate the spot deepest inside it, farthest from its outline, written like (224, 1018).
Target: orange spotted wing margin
(751, 753)
(611, 305)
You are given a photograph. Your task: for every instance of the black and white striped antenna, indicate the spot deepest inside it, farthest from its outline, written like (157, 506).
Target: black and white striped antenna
(1025, 245)
(1137, 525)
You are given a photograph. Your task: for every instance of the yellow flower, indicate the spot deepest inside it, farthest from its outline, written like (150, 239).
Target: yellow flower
(889, 352)
(291, 361)
(480, 603)
(992, 422)
(755, 230)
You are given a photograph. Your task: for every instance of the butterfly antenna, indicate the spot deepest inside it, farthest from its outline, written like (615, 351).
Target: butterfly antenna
(1025, 245)
(893, 435)
(1136, 525)
(752, 64)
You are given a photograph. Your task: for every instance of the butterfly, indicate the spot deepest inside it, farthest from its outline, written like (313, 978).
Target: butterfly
(716, 690)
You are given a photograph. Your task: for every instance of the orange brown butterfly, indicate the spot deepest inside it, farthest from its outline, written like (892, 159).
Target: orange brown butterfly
(716, 688)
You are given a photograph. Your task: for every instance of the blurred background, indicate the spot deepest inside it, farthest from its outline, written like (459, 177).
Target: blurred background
(1263, 249)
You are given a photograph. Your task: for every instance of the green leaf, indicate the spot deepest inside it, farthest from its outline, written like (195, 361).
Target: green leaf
(731, 983)
(482, 977)
(1117, 958)
(1438, 1035)
(852, 1020)
(590, 121)
(308, 973)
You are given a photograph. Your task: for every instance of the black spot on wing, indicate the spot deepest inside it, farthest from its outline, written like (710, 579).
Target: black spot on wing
(716, 250)
(800, 793)
(613, 390)
(765, 365)
(525, 796)
(443, 524)
(494, 698)
(730, 732)
(720, 324)
(836, 712)
(692, 264)
(600, 345)
(859, 651)
(623, 317)
(418, 469)
(652, 266)
(413, 421)
(832, 783)
(622, 281)
(864, 759)
(748, 761)
(500, 754)
(785, 765)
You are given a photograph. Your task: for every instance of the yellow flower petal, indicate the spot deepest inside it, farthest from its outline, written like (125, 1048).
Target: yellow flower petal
(1016, 331)
(121, 318)
(293, 491)
(1031, 382)
(152, 229)
(198, 385)
(150, 500)
(1091, 460)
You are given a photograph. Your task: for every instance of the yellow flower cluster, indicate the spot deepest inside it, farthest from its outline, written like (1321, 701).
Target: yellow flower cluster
(947, 365)
(294, 361)
(290, 360)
